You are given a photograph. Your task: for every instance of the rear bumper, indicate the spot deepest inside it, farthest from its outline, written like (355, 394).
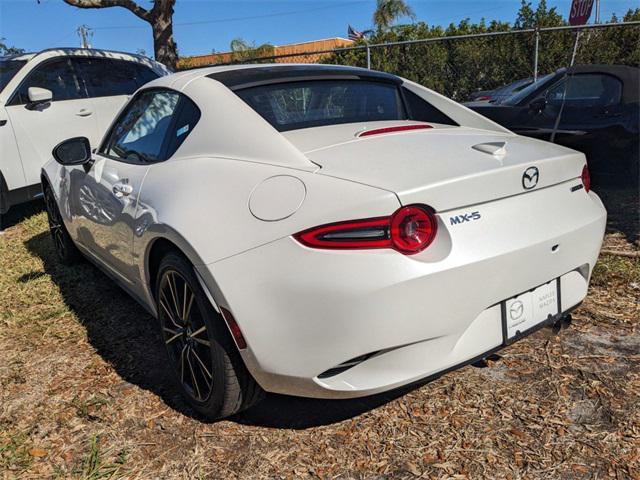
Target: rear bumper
(305, 311)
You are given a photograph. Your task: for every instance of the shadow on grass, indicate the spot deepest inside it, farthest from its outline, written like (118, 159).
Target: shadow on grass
(19, 213)
(119, 329)
(623, 208)
(126, 337)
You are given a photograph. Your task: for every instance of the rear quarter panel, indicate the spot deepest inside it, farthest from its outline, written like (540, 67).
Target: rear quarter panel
(202, 205)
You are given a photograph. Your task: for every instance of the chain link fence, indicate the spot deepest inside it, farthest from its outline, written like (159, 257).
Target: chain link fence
(457, 66)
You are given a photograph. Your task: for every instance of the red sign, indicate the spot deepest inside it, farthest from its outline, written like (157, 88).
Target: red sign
(580, 11)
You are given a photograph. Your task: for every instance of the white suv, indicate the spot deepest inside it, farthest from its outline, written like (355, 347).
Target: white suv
(53, 95)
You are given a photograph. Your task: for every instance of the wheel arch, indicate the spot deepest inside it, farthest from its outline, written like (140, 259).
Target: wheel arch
(44, 179)
(171, 241)
(157, 250)
(4, 194)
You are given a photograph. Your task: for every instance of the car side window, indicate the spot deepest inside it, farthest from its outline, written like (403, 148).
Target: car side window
(586, 90)
(106, 77)
(57, 76)
(146, 128)
(423, 111)
(143, 74)
(186, 118)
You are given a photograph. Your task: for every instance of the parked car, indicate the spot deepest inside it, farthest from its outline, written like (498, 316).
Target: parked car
(498, 95)
(323, 231)
(49, 96)
(600, 117)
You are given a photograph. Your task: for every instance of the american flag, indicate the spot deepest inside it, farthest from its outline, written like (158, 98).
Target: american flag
(354, 34)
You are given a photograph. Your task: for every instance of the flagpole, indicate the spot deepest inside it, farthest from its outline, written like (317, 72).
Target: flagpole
(354, 35)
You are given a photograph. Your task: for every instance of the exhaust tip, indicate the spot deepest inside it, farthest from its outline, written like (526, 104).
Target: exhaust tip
(561, 324)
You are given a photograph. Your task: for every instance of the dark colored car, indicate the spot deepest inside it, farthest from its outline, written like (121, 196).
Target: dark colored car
(600, 116)
(498, 95)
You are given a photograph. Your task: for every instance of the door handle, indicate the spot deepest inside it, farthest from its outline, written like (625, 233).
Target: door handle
(84, 112)
(122, 190)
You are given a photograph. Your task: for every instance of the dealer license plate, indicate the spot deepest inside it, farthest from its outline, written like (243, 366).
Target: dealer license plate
(528, 310)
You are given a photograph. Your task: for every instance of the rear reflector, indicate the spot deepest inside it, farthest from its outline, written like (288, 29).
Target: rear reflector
(409, 230)
(398, 128)
(586, 178)
(234, 328)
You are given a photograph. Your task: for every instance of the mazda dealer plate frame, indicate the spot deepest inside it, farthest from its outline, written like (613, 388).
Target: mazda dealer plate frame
(527, 311)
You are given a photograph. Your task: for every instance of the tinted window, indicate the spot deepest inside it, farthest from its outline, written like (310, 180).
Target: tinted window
(143, 74)
(57, 76)
(140, 134)
(525, 92)
(586, 90)
(423, 111)
(289, 106)
(105, 77)
(186, 118)
(8, 69)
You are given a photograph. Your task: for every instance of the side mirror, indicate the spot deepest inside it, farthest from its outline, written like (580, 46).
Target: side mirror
(38, 96)
(74, 151)
(538, 105)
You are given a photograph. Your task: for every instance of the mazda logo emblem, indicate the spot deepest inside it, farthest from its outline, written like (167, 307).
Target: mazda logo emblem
(516, 310)
(530, 178)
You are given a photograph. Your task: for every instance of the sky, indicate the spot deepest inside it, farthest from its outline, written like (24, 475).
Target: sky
(205, 25)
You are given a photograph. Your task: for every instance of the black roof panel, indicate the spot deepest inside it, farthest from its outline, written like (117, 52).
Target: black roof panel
(240, 78)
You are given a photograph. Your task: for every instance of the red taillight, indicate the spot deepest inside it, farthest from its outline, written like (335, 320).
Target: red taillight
(398, 128)
(413, 229)
(586, 178)
(409, 230)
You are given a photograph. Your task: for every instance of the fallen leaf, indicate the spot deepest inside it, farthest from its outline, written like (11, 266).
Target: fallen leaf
(413, 468)
(38, 452)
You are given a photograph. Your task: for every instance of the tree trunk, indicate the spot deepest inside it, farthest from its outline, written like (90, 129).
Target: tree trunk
(160, 17)
(164, 46)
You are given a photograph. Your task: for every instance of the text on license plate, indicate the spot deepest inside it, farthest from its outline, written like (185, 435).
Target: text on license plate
(531, 308)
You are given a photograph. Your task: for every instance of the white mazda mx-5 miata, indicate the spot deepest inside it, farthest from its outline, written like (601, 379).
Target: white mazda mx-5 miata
(323, 231)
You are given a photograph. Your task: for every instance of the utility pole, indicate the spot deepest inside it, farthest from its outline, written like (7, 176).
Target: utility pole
(84, 33)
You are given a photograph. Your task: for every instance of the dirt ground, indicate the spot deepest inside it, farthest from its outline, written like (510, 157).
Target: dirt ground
(82, 391)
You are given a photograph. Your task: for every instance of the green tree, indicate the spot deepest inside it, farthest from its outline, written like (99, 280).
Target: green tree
(458, 67)
(243, 50)
(5, 50)
(388, 11)
(541, 17)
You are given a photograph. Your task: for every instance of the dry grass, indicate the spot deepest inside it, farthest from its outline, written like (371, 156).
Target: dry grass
(82, 395)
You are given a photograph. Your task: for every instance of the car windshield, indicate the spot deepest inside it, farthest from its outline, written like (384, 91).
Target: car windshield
(525, 92)
(8, 69)
(305, 104)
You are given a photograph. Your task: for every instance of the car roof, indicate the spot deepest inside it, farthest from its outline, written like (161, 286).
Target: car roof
(267, 74)
(19, 56)
(630, 77)
(85, 52)
(242, 76)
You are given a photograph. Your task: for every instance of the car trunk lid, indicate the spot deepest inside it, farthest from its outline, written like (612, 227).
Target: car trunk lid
(446, 167)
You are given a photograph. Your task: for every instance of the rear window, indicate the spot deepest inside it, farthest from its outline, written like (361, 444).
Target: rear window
(295, 105)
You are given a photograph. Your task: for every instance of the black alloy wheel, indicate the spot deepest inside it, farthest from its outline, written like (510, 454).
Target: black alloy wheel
(185, 335)
(65, 249)
(207, 365)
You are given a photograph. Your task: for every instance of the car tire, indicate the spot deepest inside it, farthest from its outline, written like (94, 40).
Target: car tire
(207, 366)
(66, 250)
